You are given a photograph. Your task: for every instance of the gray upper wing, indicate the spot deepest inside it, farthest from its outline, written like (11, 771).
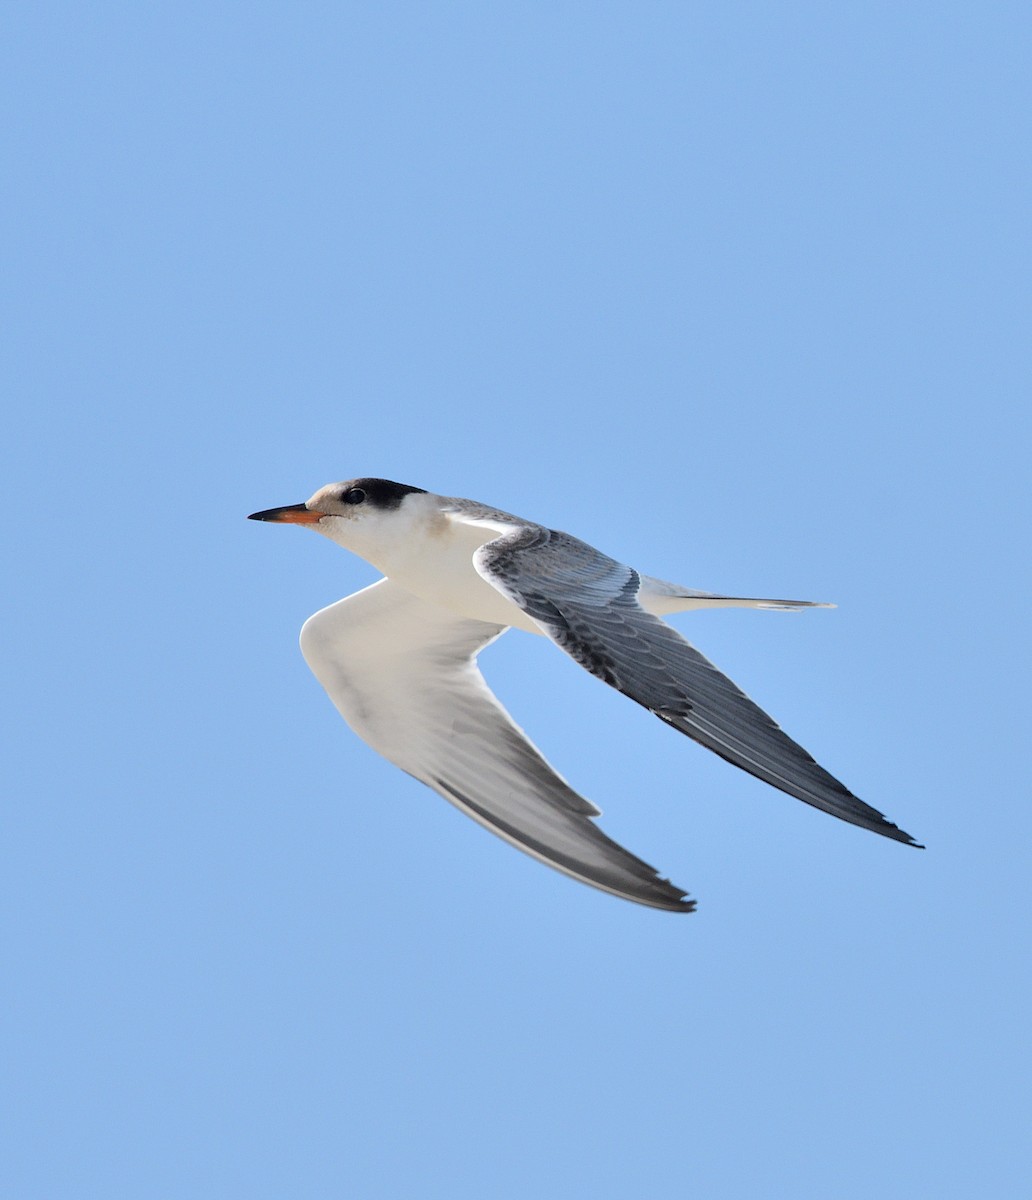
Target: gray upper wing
(588, 604)
(403, 674)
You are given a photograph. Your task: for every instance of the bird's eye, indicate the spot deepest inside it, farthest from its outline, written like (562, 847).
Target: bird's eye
(353, 496)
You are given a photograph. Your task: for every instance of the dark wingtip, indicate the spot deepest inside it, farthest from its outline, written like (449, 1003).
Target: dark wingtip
(674, 900)
(889, 830)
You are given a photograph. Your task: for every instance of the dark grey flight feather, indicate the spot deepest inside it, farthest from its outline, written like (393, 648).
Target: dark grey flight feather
(588, 604)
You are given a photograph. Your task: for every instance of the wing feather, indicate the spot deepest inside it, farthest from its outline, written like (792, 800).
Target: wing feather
(589, 605)
(403, 674)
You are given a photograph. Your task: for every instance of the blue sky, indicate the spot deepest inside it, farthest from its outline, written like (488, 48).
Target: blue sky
(738, 293)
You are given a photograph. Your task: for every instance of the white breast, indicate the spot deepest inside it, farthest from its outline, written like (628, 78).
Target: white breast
(428, 551)
(439, 567)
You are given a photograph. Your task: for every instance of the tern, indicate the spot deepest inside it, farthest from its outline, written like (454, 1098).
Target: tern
(399, 661)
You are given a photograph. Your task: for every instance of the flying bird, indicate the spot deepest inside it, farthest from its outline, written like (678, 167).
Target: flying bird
(399, 660)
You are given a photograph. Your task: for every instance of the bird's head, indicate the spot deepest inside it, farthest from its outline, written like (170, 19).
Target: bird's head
(359, 514)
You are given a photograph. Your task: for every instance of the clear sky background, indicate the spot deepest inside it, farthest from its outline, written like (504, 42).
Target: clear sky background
(737, 292)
